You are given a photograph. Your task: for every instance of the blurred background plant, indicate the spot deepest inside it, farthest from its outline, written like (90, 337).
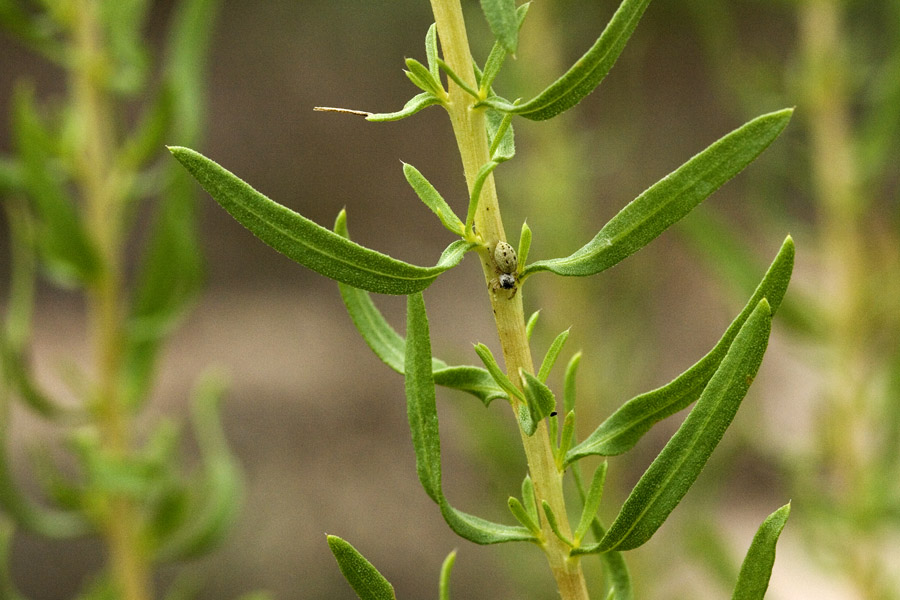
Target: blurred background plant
(84, 189)
(841, 458)
(278, 59)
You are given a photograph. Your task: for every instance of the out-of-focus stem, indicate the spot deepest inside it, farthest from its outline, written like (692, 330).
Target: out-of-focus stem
(98, 181)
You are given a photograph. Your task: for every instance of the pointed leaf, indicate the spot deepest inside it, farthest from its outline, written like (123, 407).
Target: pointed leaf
(412, 106)
(487, 357)
(528, 498)
(621, 431)
(565, 442)
(541, 401)
(552, 354)
(309, 244)
(757, 567)
(446, 568)
(587, 73)
(423, 423)
(362, 576)
(523, 516)
(591, 503)
(569, 385)
(432, 199)
(423, 79)
(668, 200)
(668, 478)
(501, 16)
(617, 570)
(431, 52)
(532, 322)
(524, 243)
(554, 524)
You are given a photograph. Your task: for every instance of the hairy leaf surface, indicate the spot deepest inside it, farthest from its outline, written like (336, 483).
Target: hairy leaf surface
(668, 200)
(423, 423)
(309, 244)
(622, 430)
(587, 73)
(756, 570)
(362, 575)
(668, 478)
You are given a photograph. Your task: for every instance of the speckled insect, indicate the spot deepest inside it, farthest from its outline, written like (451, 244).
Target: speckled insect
(506, 266)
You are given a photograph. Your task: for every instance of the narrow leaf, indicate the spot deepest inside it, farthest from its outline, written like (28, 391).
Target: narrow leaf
(484, 353)
(423, 422)
(552, 354)
(524, 243)
(412, 106)
(456, 78)
(591, 503)
(532, 321)
(523, 516)
(667, 480)
(501, 17)
(481, 531)
(565, 442)
(431, 52)
(587, 73)
(432, 199)
(757, 566)
(422, 77)
(420, 402)
(362, 576)
(541, 401)
(554, 524)
(668, 200)
(569, 385)
(617, 570)
(446, 568)
(390, 347)
(622, 430)
(528, 498)
(309, 244)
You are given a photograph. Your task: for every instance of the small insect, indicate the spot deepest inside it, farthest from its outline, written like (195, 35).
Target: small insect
(506, 266)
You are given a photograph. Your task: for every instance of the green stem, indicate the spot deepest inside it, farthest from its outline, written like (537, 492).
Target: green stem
(98, 181)
(471, 137)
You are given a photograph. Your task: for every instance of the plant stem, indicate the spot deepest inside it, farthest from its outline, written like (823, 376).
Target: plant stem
(98, 180)
(471, 137)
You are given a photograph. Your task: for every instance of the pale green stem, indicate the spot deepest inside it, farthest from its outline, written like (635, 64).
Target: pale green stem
(97, 179)
(837, 184)
(471, 137)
